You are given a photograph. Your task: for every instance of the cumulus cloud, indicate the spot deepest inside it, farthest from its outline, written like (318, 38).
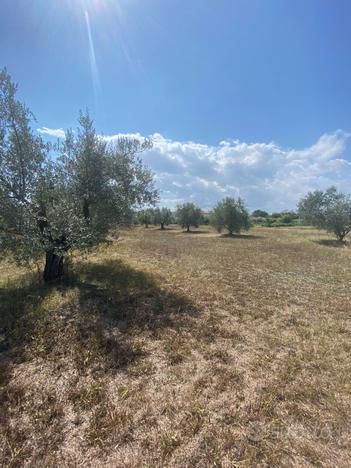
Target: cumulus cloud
(53, 132)
(266, 175)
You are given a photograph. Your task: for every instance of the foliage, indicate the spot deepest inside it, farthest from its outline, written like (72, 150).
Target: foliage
(329, 210)
(146, 216)
(259, 214)
(205, 219)
(162, 216)
(232, 215)
(287, 217)
(188, 214)
(275, 215)
(52, 206)
(283, 219)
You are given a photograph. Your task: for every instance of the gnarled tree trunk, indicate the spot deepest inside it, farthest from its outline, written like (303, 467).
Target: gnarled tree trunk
(53, 266)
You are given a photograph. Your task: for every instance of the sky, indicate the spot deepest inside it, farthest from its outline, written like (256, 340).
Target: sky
(245, 98)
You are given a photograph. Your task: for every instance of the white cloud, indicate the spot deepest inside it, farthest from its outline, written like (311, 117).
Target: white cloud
(266, 175)
(54, 132)
(113, 138)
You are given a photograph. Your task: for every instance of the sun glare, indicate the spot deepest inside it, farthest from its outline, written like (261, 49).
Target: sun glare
(93, 65)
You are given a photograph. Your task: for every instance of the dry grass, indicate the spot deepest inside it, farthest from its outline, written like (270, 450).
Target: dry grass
(170, 349)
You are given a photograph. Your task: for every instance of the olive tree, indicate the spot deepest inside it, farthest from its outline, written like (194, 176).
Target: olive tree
(51, 205)
(230, 214)
(162, 216)
(188, 215)
(146, 217)
(329, 210)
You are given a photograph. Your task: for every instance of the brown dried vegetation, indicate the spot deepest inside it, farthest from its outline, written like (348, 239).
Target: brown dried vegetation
(164, 349)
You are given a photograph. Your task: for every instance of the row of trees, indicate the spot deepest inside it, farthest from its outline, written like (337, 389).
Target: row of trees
(158, 216)
(230, 214)
(329, 210)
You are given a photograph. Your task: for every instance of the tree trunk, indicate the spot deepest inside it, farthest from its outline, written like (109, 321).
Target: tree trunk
(162, 225)
(188, 228)
(53, 266)
(86, 209)
(340, 236)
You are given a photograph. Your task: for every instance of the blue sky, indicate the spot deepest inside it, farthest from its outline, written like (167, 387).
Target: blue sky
(242, 97)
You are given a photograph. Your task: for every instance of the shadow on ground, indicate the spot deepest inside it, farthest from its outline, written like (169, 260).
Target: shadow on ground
(97, 322)
(241, 236)
(103, 306)
(330, 243)
(199, 231)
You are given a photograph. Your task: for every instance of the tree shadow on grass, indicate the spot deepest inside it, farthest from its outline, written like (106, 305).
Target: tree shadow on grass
(199, 231)
(331, 243)
(19, 320)
(100, 310)
(134, 297)
(241, 236)
(95, 323)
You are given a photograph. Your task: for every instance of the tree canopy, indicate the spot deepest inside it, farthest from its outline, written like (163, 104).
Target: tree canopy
(232, 215)
(259, 214)
(146, 217)
(188, 214)
(53, 200)
(162, 216)
(329, 210)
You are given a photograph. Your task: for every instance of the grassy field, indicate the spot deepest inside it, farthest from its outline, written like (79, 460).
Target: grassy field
(172, 349)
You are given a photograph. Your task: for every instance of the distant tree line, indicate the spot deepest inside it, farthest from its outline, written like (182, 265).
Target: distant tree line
(229, 214)
(329, 210)
(276, 219)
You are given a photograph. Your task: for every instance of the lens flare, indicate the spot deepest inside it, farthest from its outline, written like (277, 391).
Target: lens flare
(93, 65)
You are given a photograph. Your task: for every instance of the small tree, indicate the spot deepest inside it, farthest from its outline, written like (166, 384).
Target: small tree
(288, 217)
(232, 215)
(188, 215)
(146, 217)
(49, 208)
(329, 210)
(163, 217)
(205, 218)
(259, 214)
